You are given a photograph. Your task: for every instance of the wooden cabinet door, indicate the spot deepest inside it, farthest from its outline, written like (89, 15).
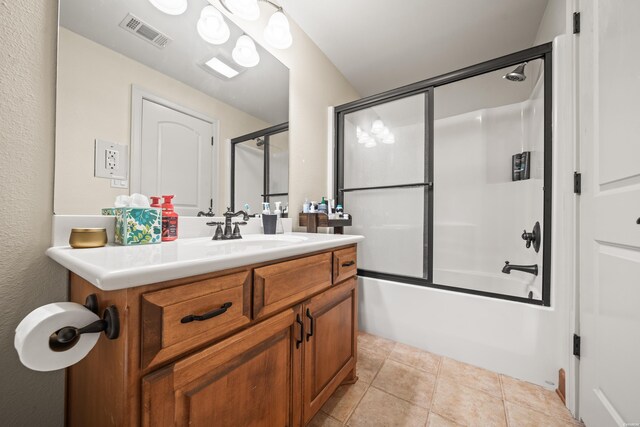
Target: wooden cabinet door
(250, 379)
(331, 324)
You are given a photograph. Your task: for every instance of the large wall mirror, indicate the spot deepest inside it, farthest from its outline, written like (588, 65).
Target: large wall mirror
(166, 103)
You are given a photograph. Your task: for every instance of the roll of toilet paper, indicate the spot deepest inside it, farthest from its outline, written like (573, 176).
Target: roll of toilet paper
(32, 336)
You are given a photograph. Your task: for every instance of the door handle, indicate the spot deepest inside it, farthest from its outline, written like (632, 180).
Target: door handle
(348, 263)
(299, 322)
(312, 324)
(208, 315)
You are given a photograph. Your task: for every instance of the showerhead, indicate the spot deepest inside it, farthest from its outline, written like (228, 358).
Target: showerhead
(516, 75)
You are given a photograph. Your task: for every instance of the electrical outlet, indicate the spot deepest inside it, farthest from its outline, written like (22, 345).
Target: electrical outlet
(111, 161)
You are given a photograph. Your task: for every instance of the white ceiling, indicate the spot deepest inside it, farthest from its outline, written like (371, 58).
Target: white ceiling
(380, 44)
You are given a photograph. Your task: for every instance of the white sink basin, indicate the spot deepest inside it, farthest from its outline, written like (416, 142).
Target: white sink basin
(117, 267)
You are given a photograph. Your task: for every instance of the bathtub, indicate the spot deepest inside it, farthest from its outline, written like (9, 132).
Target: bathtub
(504, 336)
(515, 284)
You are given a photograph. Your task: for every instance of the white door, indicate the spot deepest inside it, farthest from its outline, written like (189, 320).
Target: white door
(609, 122)
(176, 153)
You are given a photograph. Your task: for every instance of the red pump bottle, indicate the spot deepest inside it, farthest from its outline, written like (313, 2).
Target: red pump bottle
(169, 220)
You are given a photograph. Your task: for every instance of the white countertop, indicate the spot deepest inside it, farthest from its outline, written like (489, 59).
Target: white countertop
(118, 267)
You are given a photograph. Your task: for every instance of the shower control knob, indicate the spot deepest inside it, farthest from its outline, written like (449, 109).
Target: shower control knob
(533, 238)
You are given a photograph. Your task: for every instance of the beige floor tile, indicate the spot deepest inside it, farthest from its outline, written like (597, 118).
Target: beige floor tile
(436, 420)
(344, 400)
(323, 420)
(471, 376)
(534, 396)
(406, 382)
(378, 408)
(520, 416)
(374, 344)
(467, 406)
(415, 357)
(368, 365)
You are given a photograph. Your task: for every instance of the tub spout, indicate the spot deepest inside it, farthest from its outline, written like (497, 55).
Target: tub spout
(531, 269)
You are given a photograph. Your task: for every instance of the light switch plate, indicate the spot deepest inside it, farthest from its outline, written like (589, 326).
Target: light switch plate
(119, 183)
(111, 160)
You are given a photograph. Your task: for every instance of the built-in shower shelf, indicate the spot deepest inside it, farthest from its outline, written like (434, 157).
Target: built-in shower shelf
(318, 219)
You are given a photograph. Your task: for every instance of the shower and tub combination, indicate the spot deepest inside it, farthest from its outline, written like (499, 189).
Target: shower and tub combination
(457, 211)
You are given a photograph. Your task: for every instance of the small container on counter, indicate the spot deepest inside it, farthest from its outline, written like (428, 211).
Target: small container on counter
(88, 237)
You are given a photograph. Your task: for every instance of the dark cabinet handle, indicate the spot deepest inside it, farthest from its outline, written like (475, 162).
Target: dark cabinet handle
(299, 322)
(638, 221)
(312, 324)
(206, 316)
(348, 263)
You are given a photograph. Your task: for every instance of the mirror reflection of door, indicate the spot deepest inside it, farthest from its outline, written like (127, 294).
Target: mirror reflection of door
(176, 157)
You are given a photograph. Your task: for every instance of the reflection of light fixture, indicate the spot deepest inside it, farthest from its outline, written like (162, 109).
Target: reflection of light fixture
(221, 68)
(377, 127)
(245, 9)
(389, 139)
(170, 7)
(212, 27)
(277, 32)
(379, 133)
(245, 52)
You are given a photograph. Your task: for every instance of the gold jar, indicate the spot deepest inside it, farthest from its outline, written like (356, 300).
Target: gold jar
(88, 237)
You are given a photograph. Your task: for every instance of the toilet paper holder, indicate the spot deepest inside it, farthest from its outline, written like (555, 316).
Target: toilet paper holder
(65, 338)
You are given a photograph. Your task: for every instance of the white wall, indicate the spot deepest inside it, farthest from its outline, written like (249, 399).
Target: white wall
(28, 279)
(94, 101)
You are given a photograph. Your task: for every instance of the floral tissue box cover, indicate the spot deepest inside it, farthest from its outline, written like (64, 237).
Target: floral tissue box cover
(136, 226)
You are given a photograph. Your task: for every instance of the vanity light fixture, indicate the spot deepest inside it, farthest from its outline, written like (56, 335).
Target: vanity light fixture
(212, 26)
(377, 127)
(277, 32)
(170, 7)
(245, 9)
(221, 68)
(245, 53)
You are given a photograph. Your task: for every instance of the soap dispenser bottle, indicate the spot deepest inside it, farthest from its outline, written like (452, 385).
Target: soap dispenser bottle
(169, 220)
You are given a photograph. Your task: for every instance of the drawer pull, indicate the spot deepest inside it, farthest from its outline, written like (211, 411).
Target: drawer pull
(209, 315)
(348, 263)
(312, 324)
(299, 322)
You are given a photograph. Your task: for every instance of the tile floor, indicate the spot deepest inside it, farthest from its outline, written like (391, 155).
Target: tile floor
(403, 386)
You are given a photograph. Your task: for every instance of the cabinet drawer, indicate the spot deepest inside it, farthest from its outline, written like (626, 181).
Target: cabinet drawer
(344, 264)
(283, 284)
(178, 319)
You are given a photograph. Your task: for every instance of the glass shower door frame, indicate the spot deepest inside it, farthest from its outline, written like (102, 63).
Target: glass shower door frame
(427, 87)
(263, 133)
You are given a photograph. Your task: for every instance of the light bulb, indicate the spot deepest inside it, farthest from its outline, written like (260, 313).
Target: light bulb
(212, 26)
(245, 52)
(245, 9)
(358, 132)
(384, 132)
(277, 32)
(170, 7)
(377, 127)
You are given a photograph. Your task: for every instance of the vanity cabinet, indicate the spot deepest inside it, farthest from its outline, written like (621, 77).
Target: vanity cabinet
(270, 344)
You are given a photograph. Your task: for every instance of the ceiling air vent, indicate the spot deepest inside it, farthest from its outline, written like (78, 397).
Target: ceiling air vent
(145, 31)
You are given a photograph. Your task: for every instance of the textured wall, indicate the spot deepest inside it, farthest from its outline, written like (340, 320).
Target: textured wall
(28, 279)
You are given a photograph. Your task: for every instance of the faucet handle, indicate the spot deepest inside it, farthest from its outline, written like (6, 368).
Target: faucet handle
(236, 230)
(212, 223)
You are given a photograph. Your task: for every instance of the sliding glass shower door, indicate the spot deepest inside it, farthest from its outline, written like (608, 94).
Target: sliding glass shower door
(449, 179)
(386, 184)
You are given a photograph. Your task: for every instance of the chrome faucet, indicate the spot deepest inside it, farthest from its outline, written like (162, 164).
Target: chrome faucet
(228, 233)
(531, 269)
